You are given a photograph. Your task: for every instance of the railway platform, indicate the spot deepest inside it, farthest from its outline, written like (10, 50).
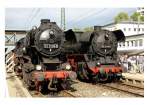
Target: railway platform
(16, 87)
(135, 78)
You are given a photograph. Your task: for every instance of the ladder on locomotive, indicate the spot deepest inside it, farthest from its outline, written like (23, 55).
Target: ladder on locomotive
(9, 62)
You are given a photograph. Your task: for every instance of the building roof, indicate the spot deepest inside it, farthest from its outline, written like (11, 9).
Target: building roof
(15, 31)
(134, 35)
(123, 22)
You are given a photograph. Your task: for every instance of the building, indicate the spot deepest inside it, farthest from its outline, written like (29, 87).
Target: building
(128, 27)
(140, 10)
(132, 50)
(134, 32)
(133, 45)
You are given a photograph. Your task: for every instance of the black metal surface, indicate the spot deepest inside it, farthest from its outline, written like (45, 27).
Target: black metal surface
(49, 42)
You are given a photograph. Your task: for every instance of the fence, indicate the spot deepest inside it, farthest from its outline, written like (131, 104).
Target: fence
(9, 62)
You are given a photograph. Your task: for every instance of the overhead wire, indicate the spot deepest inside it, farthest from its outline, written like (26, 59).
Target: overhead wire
(112, 19)
(109, 20)
(29, 18)
(85, 16)
(93, 14)
(79, 16)
(35, 12)
(88, 15)
(34, 17)
(37, 18)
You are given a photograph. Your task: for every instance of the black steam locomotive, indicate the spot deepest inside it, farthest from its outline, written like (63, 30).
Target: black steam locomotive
(96, 59)
(40, 59)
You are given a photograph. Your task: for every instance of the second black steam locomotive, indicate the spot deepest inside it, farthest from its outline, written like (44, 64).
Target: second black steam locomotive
(96, 59)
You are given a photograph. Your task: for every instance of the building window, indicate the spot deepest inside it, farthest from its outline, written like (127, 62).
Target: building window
(129, 29)
(123, 44)
(134, 29)
(133, 43)
(124, 29)
(143, 29)
(142, 12)
(127, 43)
(136, 43)
(119, 44)
(138, 29)
(141, 42)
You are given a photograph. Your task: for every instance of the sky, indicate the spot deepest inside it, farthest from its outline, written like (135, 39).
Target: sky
(25, 18)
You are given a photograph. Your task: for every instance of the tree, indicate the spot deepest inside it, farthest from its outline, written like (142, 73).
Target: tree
(142, 18)
(88, 29)
(122, 16)
(76, 29)
(137, 17)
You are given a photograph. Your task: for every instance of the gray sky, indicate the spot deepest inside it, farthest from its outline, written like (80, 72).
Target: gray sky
(25, 18)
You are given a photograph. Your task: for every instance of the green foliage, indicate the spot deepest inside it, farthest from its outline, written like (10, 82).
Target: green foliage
(76, 29)
(142, 18)
(84, 29)
(122, 16)
(88, 29)
(136, 16)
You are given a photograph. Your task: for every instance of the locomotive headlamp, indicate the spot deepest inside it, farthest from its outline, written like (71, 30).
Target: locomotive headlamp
(106, 37)
(34, 28)
(119, 63)
(51, 32)
(98, 64)
(24, 49)
(68, 67)
(38, 67)
(19, 67)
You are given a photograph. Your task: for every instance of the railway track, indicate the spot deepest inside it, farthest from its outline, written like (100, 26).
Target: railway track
(66, 93)
(35, 94)
(128, 88)
(121, 86)
(87, 90)
(63, 93)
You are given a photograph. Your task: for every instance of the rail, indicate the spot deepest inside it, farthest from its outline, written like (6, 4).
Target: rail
(126, 88)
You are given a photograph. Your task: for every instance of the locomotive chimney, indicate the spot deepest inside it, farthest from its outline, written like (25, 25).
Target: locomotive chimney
(53, 22)
(97, 28)
(45, 21)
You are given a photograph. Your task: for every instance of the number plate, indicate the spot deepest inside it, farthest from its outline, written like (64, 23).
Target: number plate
(50, 46)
